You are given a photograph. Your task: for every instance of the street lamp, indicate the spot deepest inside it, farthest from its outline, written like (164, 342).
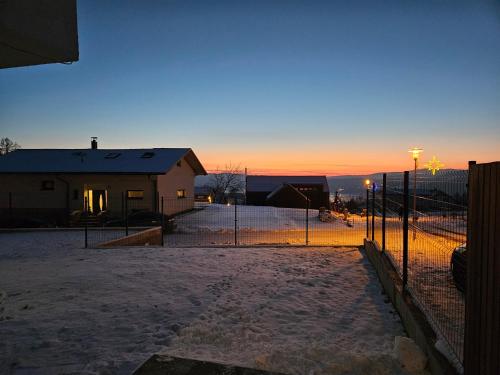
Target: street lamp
(367, 185)
(415, 153)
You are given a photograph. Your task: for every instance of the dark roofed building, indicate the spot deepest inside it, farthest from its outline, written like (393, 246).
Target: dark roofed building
(288, 191)
(59, 181)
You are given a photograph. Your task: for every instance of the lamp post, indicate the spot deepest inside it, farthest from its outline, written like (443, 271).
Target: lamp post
(415, 152)
(367, 185)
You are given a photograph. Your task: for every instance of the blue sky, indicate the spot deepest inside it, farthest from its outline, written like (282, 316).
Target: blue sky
(334, 87)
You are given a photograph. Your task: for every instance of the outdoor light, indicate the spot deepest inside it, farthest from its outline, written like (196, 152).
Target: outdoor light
(367, 183)
(415, 152)
(434, 165)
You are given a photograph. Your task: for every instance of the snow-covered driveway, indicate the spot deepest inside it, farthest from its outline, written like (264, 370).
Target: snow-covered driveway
(296, 310)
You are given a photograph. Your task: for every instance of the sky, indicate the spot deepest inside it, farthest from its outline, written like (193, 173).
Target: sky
(279, 87)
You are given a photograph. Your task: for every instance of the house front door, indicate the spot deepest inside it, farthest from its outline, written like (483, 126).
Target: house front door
(99, 201)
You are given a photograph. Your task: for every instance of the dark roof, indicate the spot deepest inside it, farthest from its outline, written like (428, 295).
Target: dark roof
(269, 183)
(281, 188)
(107, 161)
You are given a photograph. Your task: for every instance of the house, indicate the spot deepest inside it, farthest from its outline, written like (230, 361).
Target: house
(55, 182)
(288, 191)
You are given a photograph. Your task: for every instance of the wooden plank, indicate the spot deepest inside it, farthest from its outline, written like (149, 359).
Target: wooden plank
(482, 330)
(495, 329)
(489, 276)
(483, 270)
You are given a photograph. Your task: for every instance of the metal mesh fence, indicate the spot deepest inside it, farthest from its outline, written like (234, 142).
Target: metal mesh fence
(234, 224)
(437, 217)
(438, 226)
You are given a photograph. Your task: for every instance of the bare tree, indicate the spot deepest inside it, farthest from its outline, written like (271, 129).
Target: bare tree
(7, 145)
(224, 182)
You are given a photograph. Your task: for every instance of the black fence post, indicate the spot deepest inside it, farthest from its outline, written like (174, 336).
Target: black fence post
(126, 214)
(85, 215)
(11, 221)
(235, 223)
(384, 213)
(123, 206)
(373, 211)
(406, 197)
(162, 223)
(367, 213)
(307, 221)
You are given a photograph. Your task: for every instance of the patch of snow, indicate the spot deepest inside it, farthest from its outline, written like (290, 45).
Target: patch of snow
(89, 311)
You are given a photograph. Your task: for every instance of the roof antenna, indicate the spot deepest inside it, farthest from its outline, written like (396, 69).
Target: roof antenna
(93, 143)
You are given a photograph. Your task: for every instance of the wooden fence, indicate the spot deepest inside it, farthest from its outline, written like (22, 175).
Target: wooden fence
(482, 328)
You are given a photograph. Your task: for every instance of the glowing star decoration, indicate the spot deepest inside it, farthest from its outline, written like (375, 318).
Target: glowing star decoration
(434, 165)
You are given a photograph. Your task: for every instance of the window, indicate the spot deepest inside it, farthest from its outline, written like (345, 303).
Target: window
(112, 155)
(181, 193)
(179, 163)
(75, 194)
(135, 194)
(47, 185)
(148, 155)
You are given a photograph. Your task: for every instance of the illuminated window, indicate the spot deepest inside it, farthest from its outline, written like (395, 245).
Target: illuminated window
(181, 193)
(47, 185)
(135, 194)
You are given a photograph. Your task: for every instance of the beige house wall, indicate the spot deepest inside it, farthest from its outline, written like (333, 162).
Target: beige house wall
(179, 177)
(26, 190)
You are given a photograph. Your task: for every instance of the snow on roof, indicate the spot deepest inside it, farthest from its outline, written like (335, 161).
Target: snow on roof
(269, 183)
(112, 161)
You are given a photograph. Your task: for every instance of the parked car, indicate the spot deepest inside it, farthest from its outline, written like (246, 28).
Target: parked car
(458, 267)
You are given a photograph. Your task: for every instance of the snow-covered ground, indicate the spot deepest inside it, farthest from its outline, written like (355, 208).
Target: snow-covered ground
(429, 255)
(65, 309)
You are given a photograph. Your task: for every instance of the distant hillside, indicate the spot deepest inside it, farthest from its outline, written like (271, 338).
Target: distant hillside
(450, 180)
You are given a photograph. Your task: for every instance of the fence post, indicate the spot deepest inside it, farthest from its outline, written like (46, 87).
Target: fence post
(126, 214)
(406, 198)
(123, 206)
(162, 224)
(235, 222)
(373, 211)
(367, 213)
(307, 221)
(11, 222)
(85, 214)
(384, 196)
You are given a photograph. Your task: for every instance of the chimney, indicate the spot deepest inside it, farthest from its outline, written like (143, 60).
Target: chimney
(93, 143)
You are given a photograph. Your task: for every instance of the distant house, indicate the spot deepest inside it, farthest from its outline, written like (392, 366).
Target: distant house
(59, 181)
(288, 191)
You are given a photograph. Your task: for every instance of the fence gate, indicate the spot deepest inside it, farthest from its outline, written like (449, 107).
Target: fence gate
(482, 318)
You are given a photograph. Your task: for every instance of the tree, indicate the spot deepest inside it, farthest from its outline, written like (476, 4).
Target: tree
(6, 146)
(227, 181)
